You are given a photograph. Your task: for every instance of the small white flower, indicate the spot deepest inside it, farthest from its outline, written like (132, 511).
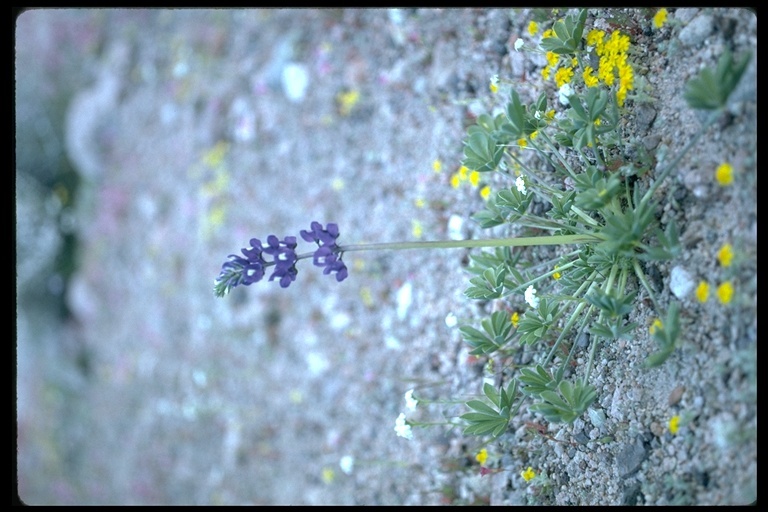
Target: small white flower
(537, 114)
(451, 320)
(519, 44)
(410, 402)
(520, 184)
(402, 428)
(347, 463)
(495, 79)
(531, 298)
(564, 92)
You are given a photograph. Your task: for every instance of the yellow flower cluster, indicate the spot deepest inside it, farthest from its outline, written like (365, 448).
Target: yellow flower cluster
(473, 177)
(655, 326)
(724, 174)
(660, 18)
(482, 456)
(725, 291)
(463, 175)
(528, 474)
(515, 319)
(614, 63)
(674, 424)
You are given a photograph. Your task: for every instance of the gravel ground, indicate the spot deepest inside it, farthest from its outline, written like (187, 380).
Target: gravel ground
(192, 131)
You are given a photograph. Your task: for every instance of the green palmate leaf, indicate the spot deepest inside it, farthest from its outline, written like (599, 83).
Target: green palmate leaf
(511, 200)
(537, 322)
(481, 152)
(504, 256)
(491, 419)
(711, 89)
(489, 217)
(611, 303)
(535, 381)
(669, 245)
(488, 285)
(497, 332)
(564, 406)
(568, 33)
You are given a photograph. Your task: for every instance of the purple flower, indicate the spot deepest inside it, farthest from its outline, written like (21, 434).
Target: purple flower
(328, 253)
(252, 268)
(321, 236)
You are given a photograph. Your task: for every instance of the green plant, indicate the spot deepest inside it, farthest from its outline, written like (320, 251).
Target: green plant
(590, 197)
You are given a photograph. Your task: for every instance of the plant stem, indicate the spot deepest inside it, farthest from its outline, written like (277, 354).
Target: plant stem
(469, 244)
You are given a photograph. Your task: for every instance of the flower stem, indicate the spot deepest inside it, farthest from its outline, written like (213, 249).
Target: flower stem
(469, 244)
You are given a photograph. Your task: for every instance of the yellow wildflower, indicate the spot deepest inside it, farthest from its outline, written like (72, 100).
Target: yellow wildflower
(515, 319)
(545, 73)
(548, 33)
(590, 80)
(660, 18)
(417, 229)
(725, 255)
(674, 424)
(534, 135)
(533, 27)
(347, 100)
(557, 275)
(328, 475)
(522, 143)
(474, 178)
(528, 474)
(702, 291)
(724, 174)
(725, 292)
(463, 171)
(455, 180)
(552, 59)
(595, 38)
(437, 165)
(655, 326)
(563, 76)
(485, 192)
(482, 456)
(494, 85)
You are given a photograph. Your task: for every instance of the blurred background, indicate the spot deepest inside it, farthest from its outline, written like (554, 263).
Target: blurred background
(150, 144)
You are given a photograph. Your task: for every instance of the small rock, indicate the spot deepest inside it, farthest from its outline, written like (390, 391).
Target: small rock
(644, 117)
(404, 299)
(456, 229)
(686, 15)
(295, 80)
(681, 282)
(697, 30)
(630, 458)
(676, 395)
(651, 141)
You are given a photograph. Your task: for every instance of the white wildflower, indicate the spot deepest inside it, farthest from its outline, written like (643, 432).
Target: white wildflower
(519, 44)
(564, 92)
(410, 402)
(531, 298)
(402, 428)
(520, 184)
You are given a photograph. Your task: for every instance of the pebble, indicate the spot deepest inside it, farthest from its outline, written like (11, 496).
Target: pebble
(681, 282)
(695, 32)
(295, 80)
(456, 229)
(404, 299)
